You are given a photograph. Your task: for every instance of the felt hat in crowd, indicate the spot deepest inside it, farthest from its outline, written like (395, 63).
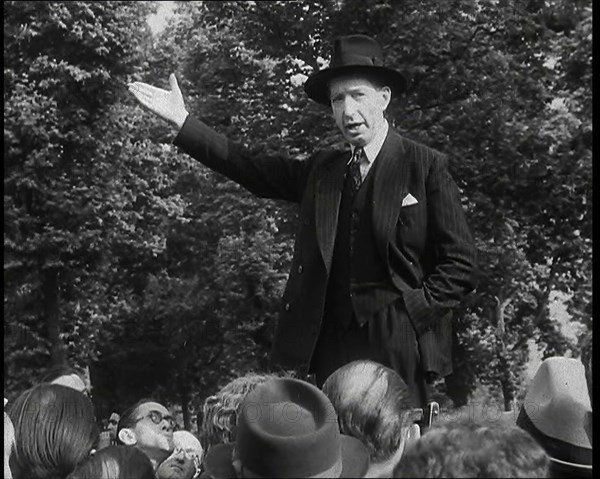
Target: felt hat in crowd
(557, 412)
(287, 428)
(353, 54)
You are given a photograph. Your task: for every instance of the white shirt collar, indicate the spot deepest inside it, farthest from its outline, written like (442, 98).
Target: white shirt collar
(373, 148)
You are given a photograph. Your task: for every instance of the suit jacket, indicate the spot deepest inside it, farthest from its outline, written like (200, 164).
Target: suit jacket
(427, 246)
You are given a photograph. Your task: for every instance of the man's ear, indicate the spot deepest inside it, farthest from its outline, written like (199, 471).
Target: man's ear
(386, 96)
(127, 437)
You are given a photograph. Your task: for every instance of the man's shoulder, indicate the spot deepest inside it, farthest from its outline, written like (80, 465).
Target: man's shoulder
(418, 149)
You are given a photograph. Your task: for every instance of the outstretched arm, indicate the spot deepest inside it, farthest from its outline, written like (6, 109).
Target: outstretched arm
(271, 177)
(168, 105)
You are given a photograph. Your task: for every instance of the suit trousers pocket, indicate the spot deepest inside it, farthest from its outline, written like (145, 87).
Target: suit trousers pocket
(394, 340)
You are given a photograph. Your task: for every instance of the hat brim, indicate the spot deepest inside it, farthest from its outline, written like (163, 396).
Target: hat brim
(317, 85)
(355, 459)
(559, 451)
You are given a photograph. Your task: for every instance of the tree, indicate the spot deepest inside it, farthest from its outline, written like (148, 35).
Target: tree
(65, 65)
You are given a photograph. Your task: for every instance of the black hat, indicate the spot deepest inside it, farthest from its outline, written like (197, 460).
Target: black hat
(353, 54)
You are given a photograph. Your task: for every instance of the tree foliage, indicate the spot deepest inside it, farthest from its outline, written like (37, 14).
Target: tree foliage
(123, 254)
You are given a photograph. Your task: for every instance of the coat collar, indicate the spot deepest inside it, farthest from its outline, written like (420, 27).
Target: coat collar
(330, 184)
(390, 186)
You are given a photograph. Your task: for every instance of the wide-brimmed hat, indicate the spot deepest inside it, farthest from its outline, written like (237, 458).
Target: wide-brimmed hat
(288, 428)
(557, 412)
(353, 54)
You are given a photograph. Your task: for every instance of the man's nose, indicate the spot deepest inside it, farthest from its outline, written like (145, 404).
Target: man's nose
(166, 426)
(349, 108)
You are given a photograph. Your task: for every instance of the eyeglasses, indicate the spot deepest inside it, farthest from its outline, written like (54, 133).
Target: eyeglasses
(156, 417)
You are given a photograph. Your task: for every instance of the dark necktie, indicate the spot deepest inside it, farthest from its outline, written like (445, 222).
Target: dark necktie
(354, 169)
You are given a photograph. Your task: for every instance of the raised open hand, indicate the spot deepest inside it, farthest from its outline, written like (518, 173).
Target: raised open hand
(166, 104)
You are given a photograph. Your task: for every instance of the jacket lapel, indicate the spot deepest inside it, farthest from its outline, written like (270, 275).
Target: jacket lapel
(390, 186)
(330, 184)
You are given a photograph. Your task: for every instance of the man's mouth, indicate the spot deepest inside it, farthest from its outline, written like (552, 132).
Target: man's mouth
(353, 126)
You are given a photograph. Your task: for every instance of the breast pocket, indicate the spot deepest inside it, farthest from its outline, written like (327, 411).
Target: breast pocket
(410, 215)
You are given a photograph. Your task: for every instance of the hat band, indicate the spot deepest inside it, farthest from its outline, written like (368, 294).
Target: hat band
(334, 471)
(558, 450)
(245, 472)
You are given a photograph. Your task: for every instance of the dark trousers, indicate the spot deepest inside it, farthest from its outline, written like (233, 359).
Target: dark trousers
(387, 338)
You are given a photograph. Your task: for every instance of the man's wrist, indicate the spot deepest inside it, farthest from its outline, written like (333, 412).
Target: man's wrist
(180, 120)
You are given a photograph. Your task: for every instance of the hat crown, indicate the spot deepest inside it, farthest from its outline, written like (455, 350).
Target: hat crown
(353, 55)
(356, 50)
(288, 428)
(557, 410)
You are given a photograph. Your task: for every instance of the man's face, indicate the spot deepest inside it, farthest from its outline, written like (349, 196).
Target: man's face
(113, 422)
(179, 465)
(358, 107)
(151, 435)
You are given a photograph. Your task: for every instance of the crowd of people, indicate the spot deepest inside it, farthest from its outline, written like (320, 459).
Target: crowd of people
(361, 423)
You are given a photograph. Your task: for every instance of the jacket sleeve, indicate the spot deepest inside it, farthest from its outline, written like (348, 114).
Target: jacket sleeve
(265, 176)
(453, 274)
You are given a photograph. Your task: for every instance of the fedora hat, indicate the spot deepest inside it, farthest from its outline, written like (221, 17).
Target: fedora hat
(557, 412)
(353, 54)
(287, 428)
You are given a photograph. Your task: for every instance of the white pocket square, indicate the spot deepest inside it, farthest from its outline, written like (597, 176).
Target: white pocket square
(409, 200)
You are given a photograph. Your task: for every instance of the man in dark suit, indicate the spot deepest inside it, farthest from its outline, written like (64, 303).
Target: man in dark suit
(382, 253)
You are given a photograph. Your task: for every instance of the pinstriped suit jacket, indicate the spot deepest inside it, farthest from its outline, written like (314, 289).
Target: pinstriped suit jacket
(427, 246)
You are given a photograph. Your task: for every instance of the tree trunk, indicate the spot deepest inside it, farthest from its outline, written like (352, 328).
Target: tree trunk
(51, 315)
(508, 391)
(506, 382)
(185, 409)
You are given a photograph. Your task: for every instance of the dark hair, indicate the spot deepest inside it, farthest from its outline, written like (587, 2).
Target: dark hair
(373, 405)
(115, 462)
(468, 448)
(56, 372)
(55, 429)
(129, 416)
(587, 359)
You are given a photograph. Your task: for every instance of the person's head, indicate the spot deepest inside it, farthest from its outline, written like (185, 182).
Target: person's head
(55, 429)
(69, 376)
(287, 428)
(115, 462)
(9, 442)
(557, 412)
(373, 404)
(112, 425)
(184, 462)
(356, 86)
(220, 411)
(358, 103)
(149, 426)
(467, 448)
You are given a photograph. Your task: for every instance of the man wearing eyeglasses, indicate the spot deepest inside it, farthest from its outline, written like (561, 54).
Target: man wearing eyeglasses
(149, 426)
(184, 462)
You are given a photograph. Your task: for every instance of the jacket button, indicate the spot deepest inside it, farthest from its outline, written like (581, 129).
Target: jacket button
(287, 306)
(300, 269)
